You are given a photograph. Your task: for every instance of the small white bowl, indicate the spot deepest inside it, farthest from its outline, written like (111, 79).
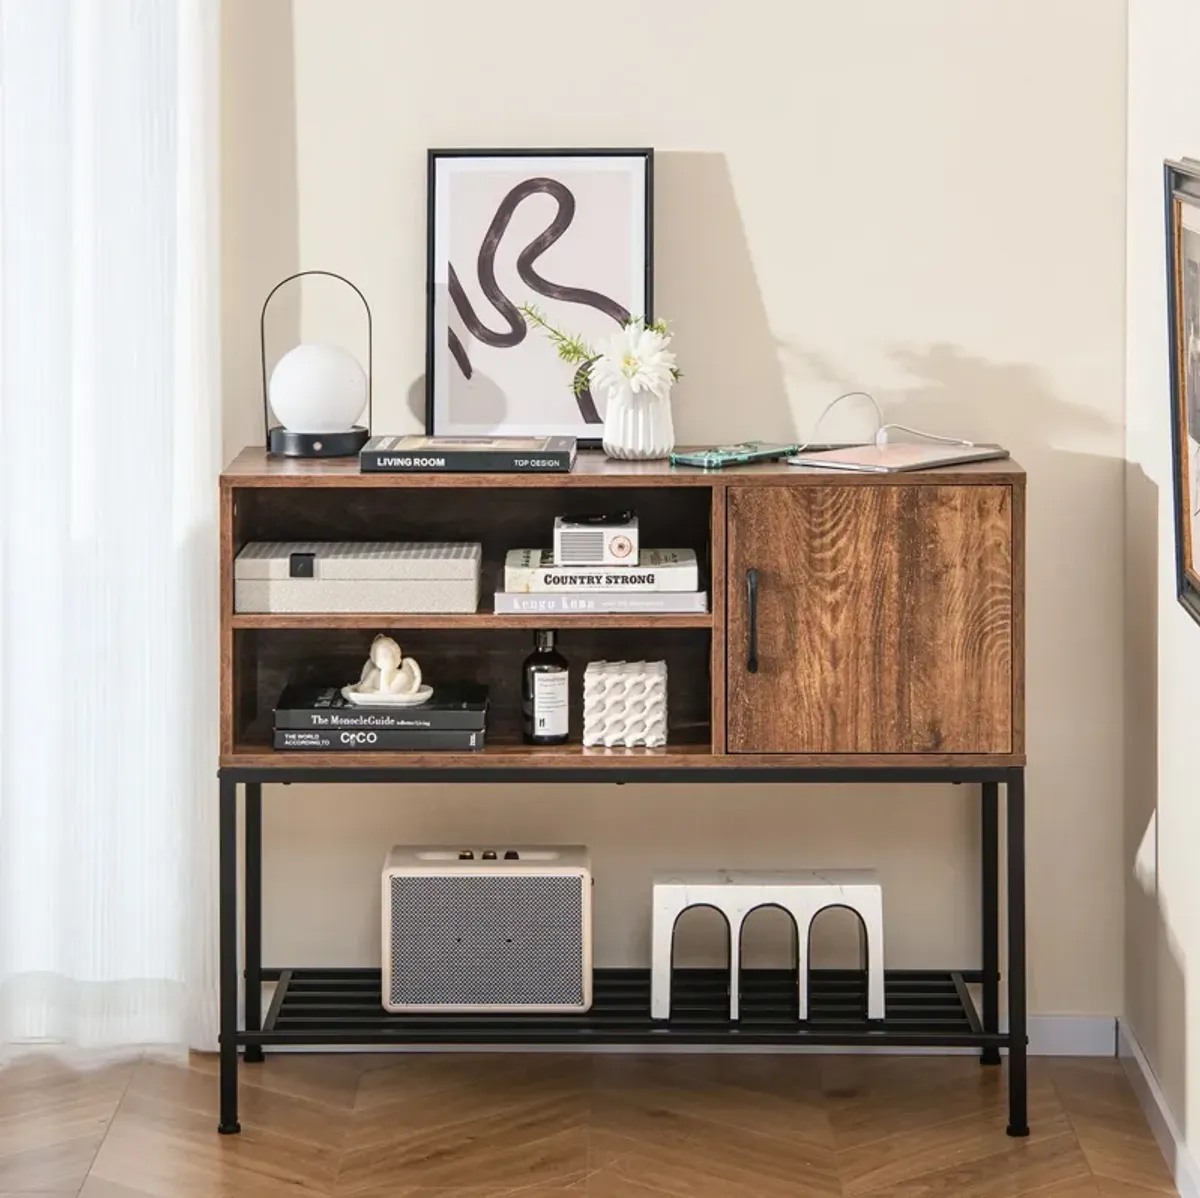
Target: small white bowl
(375, 699)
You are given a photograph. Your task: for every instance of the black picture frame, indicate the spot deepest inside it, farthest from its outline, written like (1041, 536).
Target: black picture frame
(1181, 187)
(589, 427)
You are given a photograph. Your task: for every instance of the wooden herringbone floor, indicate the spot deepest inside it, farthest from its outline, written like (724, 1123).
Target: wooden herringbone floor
(607, 1126)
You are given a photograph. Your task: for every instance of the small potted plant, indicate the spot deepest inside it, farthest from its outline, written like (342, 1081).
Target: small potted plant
(631, 373)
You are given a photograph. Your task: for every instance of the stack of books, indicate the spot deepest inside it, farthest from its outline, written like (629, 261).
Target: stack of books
(321, 718)
(660, 581)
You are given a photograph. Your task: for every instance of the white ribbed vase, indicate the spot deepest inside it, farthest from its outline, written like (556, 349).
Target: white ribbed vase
(638, 427)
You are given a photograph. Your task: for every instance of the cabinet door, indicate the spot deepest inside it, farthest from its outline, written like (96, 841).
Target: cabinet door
(883, 619)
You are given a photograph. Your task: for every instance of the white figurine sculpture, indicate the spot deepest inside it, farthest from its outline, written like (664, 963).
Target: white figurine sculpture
(387, 671)
(625, 703)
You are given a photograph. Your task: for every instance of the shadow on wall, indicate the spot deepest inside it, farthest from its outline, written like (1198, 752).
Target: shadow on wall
(959, 394)
(260, 220)
(705, 286)
(1155, 989)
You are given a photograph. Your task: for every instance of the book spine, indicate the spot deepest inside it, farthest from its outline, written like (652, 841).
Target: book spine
(298, 719)
(600, 603)
(365, 739)
(626, 580)
(374, 461)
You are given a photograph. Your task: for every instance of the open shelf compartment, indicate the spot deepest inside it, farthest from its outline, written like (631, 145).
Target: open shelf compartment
(500, 520)
(270, 658)
(924, 1008)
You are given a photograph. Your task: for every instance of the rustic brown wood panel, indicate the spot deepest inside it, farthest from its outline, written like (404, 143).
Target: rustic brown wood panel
(677, 756)
(716, 575)
(507, 755)
(227, 550)
(885, 619)
(482, 619)
(255, 467)
(1018, 633)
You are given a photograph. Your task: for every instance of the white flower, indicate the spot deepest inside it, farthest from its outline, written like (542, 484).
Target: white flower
(634, 360)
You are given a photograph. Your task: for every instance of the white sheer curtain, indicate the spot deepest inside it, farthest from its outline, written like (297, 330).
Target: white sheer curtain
(109, 448)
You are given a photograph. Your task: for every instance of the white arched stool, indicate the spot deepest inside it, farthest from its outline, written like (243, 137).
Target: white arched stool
(804, 895)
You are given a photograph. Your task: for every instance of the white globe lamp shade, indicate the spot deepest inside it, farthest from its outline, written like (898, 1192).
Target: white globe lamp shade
(318, 388)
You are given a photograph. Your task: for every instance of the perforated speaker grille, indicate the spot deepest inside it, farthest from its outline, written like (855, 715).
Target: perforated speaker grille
(580, 548)
(486, 941)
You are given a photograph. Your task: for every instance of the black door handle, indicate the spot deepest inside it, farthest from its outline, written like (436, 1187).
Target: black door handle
(752, 619)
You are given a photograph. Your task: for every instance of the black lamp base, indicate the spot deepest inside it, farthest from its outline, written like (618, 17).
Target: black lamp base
(284, 442)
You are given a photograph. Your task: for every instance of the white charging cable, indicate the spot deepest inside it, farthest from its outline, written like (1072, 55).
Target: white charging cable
(881, 431)
(833, 403)
(881, 437)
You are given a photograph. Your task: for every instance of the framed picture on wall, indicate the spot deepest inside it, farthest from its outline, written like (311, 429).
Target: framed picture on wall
(1182, 187)
(566, 234)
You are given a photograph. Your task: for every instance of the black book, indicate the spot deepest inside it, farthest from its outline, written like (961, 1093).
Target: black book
(460, 708)
(358, 740)
(467, 455)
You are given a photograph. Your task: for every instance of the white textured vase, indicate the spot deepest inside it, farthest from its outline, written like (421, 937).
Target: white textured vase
(638, 426)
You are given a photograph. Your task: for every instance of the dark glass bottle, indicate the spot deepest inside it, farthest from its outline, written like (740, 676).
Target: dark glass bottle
(544, 693)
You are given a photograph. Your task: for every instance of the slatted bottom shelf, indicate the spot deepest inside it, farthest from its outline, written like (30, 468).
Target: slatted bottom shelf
(924, 1007)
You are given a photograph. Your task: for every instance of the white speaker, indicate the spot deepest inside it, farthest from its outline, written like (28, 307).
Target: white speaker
(488, 928)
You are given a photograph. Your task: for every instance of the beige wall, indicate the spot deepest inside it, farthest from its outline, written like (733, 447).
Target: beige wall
(1163, 644)
(924, 199)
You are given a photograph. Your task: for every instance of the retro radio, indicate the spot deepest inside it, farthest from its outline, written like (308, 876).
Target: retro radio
(604, 539)
(489, 928)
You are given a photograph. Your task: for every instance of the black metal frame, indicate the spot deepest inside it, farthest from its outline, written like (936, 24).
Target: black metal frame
(432, 157)
(1181, 184)
(926, 1008)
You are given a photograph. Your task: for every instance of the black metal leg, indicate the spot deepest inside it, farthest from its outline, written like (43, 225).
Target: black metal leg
(989, 848)
(1018, 1114)
(253, 1053)
(229, 960)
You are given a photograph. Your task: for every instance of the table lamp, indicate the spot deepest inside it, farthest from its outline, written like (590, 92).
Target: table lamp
(317, 391)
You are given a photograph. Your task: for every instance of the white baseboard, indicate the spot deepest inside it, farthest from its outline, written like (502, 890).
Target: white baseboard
(1158, 1114)
(1072, 1036)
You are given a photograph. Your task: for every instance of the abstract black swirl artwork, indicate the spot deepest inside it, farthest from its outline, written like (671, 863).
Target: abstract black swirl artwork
(565, 232)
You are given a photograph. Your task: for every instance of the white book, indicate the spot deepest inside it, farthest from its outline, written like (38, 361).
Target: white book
(532, 571)
(601, 602)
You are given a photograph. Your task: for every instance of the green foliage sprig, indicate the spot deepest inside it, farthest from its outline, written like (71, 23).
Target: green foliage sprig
(575, 350)
(570, 349)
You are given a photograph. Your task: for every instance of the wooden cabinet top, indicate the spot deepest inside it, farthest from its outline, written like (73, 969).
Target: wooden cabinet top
(254, 467)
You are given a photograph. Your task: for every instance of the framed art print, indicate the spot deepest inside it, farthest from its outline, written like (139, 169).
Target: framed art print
(1182, 187)
(566, 233)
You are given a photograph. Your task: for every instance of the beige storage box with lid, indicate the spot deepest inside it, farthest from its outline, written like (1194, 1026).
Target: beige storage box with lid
(357, 576)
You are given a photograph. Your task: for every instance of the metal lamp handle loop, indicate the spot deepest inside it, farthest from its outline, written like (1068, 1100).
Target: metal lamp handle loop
(262, 343)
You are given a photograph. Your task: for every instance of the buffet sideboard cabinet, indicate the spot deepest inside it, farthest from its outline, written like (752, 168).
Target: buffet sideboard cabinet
(860, 628)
